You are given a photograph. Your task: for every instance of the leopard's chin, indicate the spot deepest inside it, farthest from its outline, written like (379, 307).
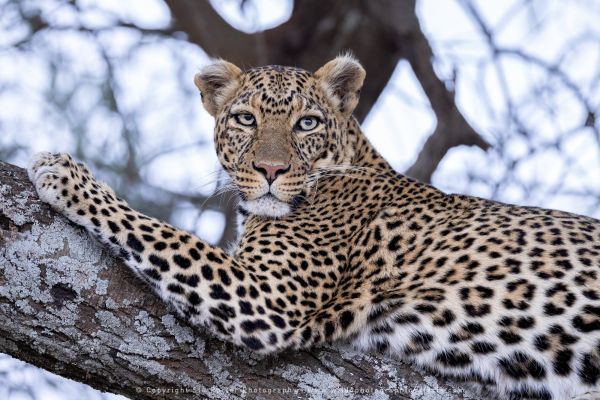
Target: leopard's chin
(267, 206)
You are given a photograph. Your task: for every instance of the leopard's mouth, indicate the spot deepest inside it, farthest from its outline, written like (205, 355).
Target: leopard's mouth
(267, 205)
(271, 196)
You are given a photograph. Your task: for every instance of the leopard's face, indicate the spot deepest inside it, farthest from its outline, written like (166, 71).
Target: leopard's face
(270, 135)
(276, 127)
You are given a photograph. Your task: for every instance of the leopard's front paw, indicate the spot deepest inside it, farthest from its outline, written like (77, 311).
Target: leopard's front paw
(64, 183)
(50, 175)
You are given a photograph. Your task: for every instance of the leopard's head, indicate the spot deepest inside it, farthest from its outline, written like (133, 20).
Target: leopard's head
(276, 126)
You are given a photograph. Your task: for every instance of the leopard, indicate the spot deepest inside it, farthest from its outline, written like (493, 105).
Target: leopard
(334, 245)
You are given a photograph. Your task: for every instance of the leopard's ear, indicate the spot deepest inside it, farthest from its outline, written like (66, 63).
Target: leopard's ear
(217, 83)
(341, 79)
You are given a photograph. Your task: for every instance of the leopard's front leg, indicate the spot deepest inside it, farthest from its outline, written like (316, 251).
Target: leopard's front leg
(69, 187)
(204, 284)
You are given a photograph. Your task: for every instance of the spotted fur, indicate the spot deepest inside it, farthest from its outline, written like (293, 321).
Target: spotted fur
(340, 246)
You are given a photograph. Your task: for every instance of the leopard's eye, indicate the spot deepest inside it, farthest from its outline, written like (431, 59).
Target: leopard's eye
(245, 119)
(307, 123)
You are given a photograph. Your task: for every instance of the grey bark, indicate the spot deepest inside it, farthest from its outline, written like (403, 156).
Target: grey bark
(68, 306)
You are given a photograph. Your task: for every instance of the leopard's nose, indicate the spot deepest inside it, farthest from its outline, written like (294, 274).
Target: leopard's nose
(271, 171)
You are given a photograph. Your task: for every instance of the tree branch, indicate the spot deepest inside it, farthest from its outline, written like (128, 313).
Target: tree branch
(452, 129)
(205, 27)
(69, 307)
